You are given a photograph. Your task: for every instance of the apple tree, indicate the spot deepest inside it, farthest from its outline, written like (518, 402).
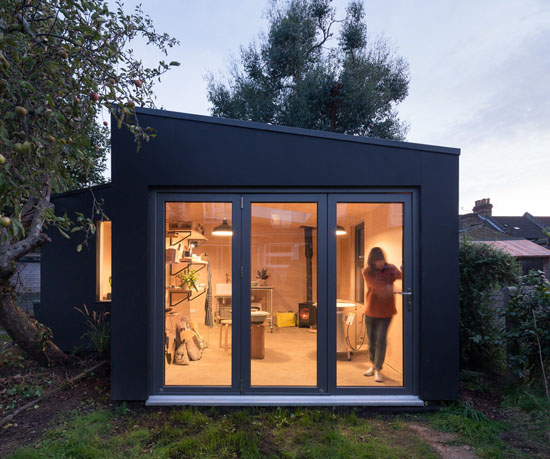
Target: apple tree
(61, 63)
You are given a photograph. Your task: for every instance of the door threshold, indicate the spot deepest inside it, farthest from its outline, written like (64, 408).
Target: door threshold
(284, 400)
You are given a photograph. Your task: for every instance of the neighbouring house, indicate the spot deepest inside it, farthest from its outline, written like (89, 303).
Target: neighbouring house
(27, 283)
(232, 263)
(522, 237)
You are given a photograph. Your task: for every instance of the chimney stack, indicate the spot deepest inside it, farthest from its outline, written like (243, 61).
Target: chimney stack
(483, 207)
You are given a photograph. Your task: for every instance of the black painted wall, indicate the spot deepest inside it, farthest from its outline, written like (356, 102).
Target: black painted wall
(68, 277)
(191, 152)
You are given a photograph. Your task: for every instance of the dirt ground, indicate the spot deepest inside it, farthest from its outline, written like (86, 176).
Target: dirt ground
(92, 393)
(27, 427)
(22, 381)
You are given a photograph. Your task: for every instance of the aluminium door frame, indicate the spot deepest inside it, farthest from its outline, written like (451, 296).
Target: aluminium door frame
(156, 264)
(321, 200)
(234, 195)
(410, 283)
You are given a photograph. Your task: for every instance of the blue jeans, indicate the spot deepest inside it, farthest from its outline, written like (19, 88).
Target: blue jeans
(377, 329)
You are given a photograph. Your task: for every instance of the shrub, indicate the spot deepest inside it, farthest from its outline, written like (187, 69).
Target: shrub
(528, 333)
(99, 329)
(482, 270)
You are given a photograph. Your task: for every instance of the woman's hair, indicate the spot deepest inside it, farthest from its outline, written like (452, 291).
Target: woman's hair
(375, 254)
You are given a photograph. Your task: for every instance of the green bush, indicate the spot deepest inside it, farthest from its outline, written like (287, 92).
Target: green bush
(528, 331)
(482, 270)
(99, 329)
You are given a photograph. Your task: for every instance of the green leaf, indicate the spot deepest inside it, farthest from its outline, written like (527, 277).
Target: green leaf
(175, 64)
(63, 233)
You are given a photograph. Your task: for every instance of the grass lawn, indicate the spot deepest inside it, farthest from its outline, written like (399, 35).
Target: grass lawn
(81, 422)
(221, 433)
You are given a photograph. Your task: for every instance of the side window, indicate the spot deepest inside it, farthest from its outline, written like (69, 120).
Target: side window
(103, 278)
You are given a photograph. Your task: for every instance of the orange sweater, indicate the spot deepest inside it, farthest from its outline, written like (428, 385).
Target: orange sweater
(379, 300)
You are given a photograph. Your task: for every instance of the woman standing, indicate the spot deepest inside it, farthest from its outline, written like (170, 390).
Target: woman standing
(379, 307)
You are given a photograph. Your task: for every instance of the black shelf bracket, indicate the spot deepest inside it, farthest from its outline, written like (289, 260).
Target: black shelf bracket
(189, 264)
(188, 297)
(181, 240)
(196, 296)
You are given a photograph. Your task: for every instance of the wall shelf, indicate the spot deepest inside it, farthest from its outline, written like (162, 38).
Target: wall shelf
(190, 235)
(187, 264)
(188, 295)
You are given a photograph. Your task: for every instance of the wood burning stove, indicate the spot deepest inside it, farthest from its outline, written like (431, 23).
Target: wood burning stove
(307, 315)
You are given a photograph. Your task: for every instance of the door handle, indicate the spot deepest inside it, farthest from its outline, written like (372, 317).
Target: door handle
(407, 295)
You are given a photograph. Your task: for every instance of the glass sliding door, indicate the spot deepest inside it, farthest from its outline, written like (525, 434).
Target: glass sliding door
(284, 307)
(284, 293)
(198, 332)
(370, 324)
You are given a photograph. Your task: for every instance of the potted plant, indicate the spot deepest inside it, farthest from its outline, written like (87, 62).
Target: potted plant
(262, 276)
(188, 280)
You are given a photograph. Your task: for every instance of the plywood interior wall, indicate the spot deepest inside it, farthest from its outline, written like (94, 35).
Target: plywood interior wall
(104, 268)
(383, 225)
(278, 245)
(201, 217)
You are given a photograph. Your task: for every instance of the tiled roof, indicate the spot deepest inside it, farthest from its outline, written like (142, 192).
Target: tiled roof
(519, 227)
(469, 220)
(483, 232)
(521, 248)
(544, 220)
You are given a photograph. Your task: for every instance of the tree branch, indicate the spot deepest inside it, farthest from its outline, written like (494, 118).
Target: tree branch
(28, 29)
(9, 254)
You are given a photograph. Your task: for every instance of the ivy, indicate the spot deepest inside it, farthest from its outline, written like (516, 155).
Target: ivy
(482, 270)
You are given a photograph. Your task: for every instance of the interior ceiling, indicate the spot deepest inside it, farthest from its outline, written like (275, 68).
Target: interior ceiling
(349, 213)
(272, 214)
(198, 212)
(269, 214)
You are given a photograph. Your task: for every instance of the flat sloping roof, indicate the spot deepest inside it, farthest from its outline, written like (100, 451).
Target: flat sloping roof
(297, 131)
(521, 248)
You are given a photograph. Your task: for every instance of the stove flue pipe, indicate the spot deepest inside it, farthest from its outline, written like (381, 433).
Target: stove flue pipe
(308, 235)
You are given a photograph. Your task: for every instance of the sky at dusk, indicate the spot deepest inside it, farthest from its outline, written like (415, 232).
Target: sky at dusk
(479, 80)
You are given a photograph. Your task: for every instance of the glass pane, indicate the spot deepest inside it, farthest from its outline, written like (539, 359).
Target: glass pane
(198, 308)
(103, 261)
(283, 294)
(369, 313)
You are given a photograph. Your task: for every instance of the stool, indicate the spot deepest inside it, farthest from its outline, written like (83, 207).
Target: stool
(225, 324)
(257, 341)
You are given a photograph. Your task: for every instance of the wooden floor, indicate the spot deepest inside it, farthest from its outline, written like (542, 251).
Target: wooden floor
(290, 360)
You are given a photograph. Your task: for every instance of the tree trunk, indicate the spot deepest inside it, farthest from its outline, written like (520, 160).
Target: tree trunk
(33, 337)
(28, 334)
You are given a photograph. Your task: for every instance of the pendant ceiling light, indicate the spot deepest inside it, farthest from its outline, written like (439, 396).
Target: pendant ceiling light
(224, 229)
(340, 230)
